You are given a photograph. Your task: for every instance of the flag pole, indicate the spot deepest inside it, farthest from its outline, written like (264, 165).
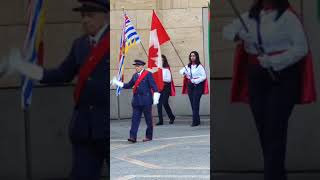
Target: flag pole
(177, 53)
(118, 98)
(28, 155)
(179, 56)
(145, 52)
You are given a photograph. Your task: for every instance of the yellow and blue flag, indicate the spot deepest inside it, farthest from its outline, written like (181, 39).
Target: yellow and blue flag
(33, 45)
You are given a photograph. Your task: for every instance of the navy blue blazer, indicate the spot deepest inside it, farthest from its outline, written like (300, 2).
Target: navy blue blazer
(143, 95)
(90, 120)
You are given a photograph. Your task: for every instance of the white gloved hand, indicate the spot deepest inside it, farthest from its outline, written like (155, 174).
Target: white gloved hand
(116, 82)
(246, 37)
(184, 72)
(30, 70)
(188, 75)
(264, 61)
(156, 97)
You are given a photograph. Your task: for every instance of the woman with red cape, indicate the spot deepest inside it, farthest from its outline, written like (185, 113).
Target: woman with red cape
(168, 90)
(195, 84)
(272, 72)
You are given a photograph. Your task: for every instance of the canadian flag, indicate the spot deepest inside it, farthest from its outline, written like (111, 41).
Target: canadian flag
(158, 36)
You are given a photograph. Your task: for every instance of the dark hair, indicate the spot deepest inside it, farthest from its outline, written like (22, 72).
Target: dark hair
(165, 63)
(280, 5)
(197, 58)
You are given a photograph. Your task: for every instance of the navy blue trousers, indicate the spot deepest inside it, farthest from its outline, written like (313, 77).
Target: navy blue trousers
(271, 104)
(164, 101)
(88, 159)
(136, 118)
(195, 92)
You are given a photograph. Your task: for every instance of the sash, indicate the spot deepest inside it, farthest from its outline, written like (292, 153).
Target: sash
(137, 83)
(95, 56)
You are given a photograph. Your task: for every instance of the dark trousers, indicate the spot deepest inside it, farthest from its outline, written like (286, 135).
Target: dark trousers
(136, 117)
(195, 92)
(164, 101)
(88, 159)
(271, 104)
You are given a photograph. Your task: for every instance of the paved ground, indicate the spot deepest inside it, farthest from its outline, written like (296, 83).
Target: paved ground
(259, 176)
(178, 151)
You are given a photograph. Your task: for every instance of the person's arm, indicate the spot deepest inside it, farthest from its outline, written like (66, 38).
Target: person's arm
(299, 47)
(129, 84)
(166, 75)
(65, 72)
(185, 72)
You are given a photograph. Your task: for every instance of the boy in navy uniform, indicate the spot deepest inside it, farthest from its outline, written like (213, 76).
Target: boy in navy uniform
(89, 60)
(145, 93)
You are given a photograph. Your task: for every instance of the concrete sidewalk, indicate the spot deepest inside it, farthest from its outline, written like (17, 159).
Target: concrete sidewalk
(178, 151)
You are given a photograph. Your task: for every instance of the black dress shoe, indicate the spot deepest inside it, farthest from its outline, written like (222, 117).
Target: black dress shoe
(159, 124)
(172, 120)
(132, 140)
(196, 124)
(146, 139)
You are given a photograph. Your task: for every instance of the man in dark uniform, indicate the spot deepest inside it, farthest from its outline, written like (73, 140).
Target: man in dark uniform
(89, 60)
(145, 93)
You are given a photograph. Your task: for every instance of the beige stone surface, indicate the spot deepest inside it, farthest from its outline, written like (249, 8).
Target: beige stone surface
(116, 18)
(222, 8)
(164, 4)
(222, 64)
(172, 18)
(144, 17)
(61, 11)
(219, 44)
(58, 41)
(179, 4)
(176, 18)
(134, 4)
(12, 12)
(198, 3)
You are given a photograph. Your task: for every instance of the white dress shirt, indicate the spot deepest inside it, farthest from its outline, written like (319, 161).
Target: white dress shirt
(166, 75)
(284, 34)
(139, 73)
(198, 74)
(97, 37)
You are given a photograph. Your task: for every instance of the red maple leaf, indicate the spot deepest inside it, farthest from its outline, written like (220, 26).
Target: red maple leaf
(153, 54)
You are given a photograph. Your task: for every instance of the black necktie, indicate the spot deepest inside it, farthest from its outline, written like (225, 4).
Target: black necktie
(92, 43)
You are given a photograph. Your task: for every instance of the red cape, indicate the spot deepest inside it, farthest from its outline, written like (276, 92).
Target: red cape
(239, 90)
(185, 86)
(173, 87)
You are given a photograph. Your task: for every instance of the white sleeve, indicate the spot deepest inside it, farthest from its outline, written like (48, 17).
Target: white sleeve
(202, 73)
(166, 75)
(230, 31)
(299, 47)
(183, 70)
